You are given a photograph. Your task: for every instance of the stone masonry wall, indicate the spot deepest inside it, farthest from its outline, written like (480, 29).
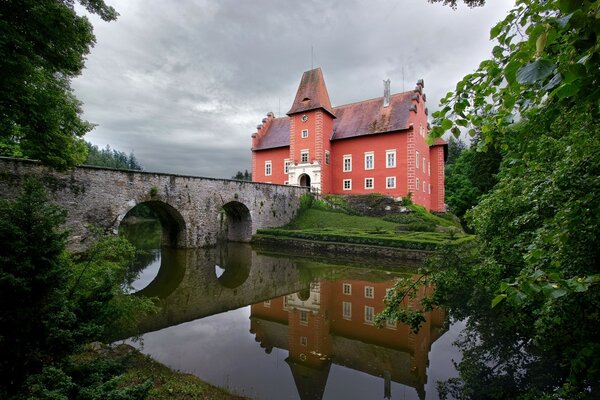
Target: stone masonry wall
(189, 206)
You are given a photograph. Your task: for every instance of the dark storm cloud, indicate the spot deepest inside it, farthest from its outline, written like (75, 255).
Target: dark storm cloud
(184, 84)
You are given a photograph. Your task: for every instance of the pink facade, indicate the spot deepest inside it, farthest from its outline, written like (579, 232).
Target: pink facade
(373, 146)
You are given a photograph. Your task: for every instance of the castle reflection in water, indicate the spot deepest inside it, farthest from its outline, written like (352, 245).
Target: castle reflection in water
(333, 322)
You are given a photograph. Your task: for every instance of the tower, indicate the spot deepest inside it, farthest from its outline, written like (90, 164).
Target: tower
(311, 126)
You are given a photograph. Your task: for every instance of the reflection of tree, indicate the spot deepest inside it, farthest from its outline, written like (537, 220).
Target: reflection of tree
(145, 236)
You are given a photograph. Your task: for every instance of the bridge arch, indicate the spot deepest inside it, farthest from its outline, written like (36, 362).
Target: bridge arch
(171, 221)
(236, 222)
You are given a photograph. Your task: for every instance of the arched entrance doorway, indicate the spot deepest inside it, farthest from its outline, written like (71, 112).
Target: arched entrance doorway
(304, 180)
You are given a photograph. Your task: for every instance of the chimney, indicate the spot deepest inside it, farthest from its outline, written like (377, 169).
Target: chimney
(386, 92)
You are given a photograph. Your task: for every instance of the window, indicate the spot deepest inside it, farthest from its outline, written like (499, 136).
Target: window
(429, 168)
(417, 185)
(390, 159)
(390, 324)
(326, 157)
(303, 156)
(267, 303)
(390, 182)
(268, 167)
(422, 131)
(286, 166)
(369, 183)
(369, 315)
(347, 163)
(369, 292)
(430, 188)
(304, 133)
(346, 310)
(424, 190)
(303, 341)
(347, 184)
(304, 317)
(347, 288)
(369, 160)
(417, 159)
(424, 164)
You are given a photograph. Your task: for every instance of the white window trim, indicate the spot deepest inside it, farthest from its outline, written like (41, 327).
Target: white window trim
(417, 185)
(268, 168)
(302, 320)
(372, 155)
(372, 315)
(372, 184)
(387, 182)
(349, 158)
(372, 289)
(286, 166)
(305, 151)
(349, 286)
(303, 341)
(424, 187)
(424, 163)
(417, 159)
(304, 133)
(344, 184)
(345, 315)
(387, 154)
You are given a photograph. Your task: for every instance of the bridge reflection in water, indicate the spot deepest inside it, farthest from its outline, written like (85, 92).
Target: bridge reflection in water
(309, 318)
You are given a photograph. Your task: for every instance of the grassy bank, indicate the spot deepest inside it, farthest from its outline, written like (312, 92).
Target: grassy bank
(415, 229)
(139, 369)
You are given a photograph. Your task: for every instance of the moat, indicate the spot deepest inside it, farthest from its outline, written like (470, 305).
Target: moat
(270, 324)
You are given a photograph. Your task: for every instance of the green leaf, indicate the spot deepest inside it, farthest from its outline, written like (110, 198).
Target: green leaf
(535, 71)
(472, 132)
(455, 131)
(568, 6)
(462, 122)
(510, 71)
(495, 31)
(567, 90)
(498, 299)
(446, 124)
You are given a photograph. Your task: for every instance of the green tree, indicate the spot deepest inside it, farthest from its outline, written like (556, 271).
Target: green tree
(531, 287)
(50, 304)
(470, 176)
(455, 148)
(242, 176)
(111, 158)
(43, 44)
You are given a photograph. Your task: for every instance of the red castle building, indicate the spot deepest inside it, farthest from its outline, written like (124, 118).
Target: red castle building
(373, 146)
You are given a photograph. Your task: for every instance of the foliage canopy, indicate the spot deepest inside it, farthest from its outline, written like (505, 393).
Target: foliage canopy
(42, 47)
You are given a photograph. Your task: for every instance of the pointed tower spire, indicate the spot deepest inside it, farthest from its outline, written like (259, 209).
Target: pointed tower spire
(311, 94)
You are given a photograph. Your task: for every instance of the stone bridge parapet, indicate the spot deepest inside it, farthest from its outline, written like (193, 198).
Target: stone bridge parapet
(194, 211)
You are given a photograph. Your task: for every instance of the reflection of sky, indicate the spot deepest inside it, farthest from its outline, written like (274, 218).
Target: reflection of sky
(221, 350)
(147, 275)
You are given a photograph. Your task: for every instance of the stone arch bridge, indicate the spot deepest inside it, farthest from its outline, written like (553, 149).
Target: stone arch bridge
(194, 211)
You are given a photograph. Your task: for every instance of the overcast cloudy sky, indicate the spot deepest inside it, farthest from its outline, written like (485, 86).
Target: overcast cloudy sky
(184, 84)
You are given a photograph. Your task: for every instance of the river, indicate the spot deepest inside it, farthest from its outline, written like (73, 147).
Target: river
(272, 324)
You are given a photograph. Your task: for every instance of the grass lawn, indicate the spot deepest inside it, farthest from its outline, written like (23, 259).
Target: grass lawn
(140, 368)
(331, 226)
